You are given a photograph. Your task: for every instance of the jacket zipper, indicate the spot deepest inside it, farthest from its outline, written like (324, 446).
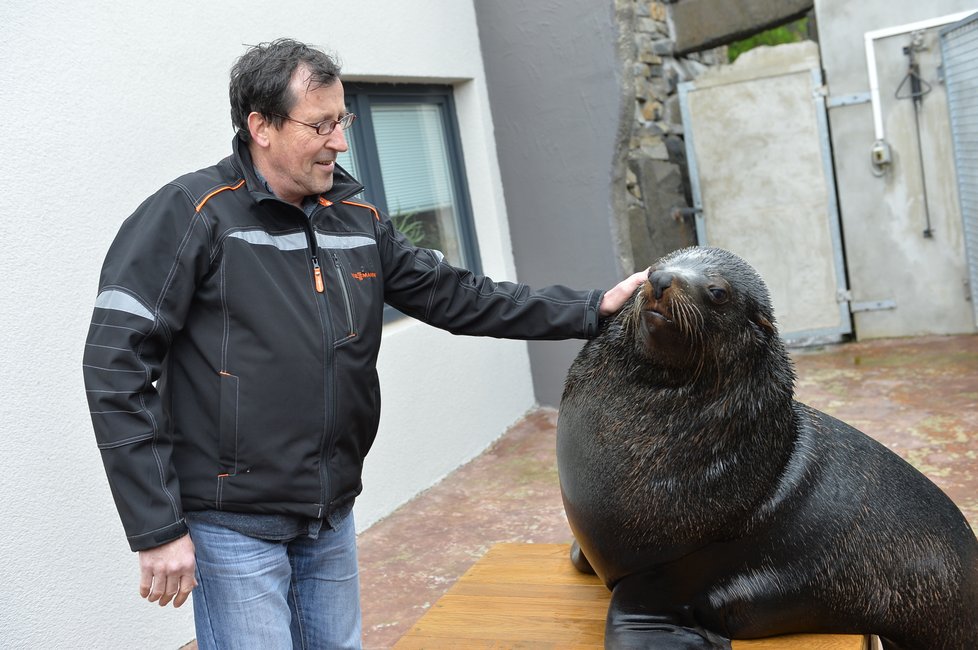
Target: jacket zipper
(329, 414)
(318, 274)
(346, 294)
(329, 411)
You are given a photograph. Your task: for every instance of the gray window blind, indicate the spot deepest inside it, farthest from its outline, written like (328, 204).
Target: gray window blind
(413, 157)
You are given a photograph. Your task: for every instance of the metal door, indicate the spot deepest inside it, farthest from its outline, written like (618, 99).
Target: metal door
(758, 148)
(959, 48)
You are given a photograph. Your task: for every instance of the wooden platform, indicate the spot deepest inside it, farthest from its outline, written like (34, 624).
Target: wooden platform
(530, 596)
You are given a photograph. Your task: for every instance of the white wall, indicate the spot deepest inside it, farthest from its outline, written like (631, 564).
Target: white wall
(102, 104)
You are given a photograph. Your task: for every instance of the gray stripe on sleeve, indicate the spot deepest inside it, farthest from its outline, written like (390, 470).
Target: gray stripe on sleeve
(122, 301)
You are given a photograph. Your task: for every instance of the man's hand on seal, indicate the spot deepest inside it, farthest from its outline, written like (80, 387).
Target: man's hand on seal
(167, 572)
(615, 297)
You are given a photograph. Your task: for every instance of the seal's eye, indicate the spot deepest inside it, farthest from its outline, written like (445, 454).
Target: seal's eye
(719, 295)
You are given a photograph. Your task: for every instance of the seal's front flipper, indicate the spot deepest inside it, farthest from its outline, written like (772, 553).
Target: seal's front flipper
(634, 622)
(578, 559)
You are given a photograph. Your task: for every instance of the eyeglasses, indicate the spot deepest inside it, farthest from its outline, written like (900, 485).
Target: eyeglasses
(326, 126)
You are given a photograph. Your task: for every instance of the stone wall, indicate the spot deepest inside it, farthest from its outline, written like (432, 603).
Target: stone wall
(652, 192)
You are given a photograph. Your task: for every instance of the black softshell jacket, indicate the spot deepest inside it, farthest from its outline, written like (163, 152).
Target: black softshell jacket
(231, 358)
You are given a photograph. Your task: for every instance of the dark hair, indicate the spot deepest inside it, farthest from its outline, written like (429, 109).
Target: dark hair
(260, 79)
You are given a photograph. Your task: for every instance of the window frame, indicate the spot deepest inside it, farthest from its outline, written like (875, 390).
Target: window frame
(361, 96)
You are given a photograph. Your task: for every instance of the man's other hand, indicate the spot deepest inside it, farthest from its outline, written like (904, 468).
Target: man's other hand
(167, 572)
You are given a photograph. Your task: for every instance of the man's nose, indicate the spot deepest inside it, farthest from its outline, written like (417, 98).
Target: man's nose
(336, 141)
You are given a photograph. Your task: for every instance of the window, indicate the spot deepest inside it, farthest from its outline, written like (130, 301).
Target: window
(405, 149)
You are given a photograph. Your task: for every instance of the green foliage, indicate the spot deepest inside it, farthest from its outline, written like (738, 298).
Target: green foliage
(410, 227)
(790, 33)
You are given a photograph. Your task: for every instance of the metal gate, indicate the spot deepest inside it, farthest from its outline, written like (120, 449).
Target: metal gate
(959, 48)
(763, 185)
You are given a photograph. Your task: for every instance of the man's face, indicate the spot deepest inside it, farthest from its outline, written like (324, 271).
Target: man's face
(299, 162)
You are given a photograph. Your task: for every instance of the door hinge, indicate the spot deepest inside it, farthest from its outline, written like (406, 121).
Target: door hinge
(845, 295)
(848, 100)
(872, 305)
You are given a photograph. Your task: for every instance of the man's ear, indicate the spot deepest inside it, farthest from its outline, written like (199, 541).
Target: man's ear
(258, 127)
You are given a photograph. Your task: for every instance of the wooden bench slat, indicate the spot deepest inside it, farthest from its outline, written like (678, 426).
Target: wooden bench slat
(595, 593)
(529, 596)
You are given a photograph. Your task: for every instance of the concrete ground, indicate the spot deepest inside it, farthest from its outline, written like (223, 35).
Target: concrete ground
(918, 396)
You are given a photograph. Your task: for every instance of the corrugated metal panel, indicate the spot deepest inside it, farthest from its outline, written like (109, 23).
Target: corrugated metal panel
(959, 47)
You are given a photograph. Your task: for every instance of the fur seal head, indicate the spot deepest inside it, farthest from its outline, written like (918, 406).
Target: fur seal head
(697, 294)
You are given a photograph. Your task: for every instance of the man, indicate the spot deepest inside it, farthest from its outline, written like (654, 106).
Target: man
(230, 365)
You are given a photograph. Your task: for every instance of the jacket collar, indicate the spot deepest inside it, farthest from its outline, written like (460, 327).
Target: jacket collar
(344, 185)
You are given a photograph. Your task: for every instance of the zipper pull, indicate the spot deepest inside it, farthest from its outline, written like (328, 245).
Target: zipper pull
(318, 272)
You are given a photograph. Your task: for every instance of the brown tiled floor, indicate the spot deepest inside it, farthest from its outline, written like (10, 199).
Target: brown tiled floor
(918, 396)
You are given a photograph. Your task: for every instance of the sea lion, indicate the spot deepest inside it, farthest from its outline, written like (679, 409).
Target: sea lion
(717, 507)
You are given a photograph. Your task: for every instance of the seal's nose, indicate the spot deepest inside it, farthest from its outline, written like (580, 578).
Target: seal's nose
(660, 282)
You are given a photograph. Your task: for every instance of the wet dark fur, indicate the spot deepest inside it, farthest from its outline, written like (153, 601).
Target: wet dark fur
(716, 507)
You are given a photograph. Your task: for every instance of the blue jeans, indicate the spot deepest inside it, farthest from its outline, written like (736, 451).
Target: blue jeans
(266, 595)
